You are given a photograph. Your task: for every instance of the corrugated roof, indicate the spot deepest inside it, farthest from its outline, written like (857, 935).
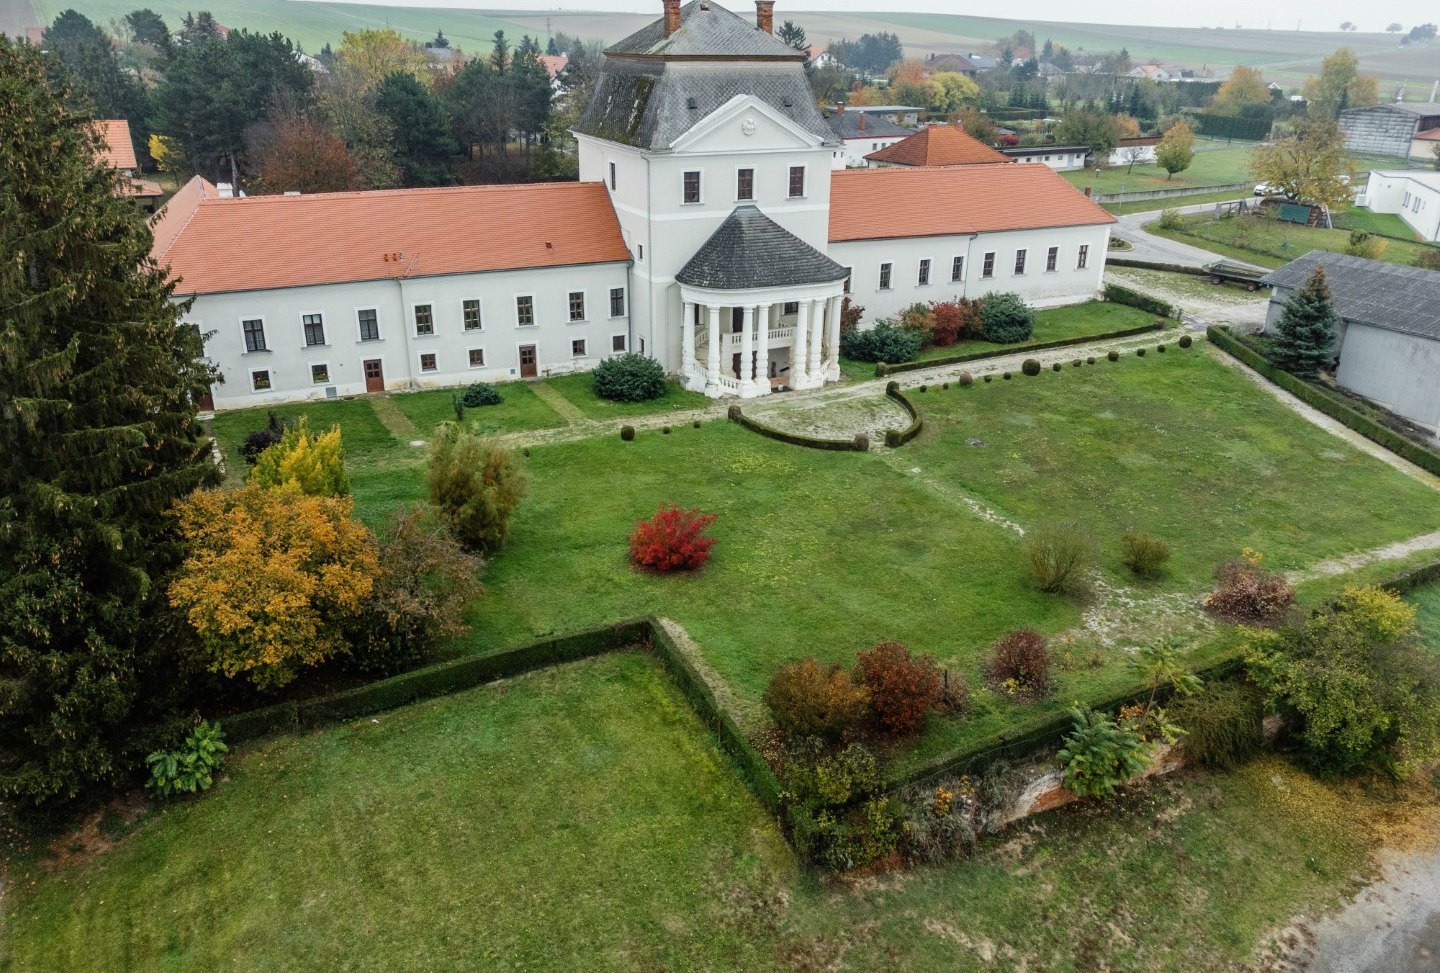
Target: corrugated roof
(875, 204)
(752, 250)
(706, 30)
(118, 151)
(1431, 135)
(938, 145)
(259, 242)
(1390, 296)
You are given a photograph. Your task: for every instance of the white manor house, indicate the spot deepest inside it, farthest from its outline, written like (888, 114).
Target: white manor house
(707, 230)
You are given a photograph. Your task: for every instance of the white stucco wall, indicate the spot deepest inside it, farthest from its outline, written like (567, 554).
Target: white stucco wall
(1415, 197)
(1067, 284)
(1399, 371)
(288, 359)
(852, 154)
(1059, 161)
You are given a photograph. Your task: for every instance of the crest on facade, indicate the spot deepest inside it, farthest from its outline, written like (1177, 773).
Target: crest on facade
(748, 126)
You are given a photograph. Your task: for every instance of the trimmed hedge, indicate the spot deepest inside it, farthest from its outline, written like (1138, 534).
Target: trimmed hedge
(1120, 294)
(895, 438)
(794, 438)
(1331, 405)
(1152, 265)
(1038, 346)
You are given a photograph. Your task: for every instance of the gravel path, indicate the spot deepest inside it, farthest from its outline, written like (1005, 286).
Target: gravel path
(1204, 303)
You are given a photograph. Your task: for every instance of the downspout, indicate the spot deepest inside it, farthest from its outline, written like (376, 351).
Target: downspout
(405, 326)
(969, 265)
(649, 223)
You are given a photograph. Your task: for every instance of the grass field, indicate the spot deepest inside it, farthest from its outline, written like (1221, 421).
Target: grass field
(580, 818)
(521, 410)
(1272, 243)
(1215, 164)
(579, 391)
(1427, 618)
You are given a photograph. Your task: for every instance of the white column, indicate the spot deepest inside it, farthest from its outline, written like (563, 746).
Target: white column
(747, 346)
(832, 351)
(817, 340)
(687, 342)
(712, 364)
(762, 347)
(798, 364)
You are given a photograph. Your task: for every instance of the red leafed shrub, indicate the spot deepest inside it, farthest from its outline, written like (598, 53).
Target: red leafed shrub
(807, 698)
(955, 320)
(673, 540)
(850, 314)
(903, 687)
(1021, 664)
(1247, 592)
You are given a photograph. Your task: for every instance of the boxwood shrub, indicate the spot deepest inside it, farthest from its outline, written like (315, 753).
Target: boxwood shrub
(885, 342)
(630, 377)
(480, 393)
(1031, 366)
(1006, 319)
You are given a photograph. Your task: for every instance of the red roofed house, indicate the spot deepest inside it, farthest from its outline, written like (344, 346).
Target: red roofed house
(708, 230)
(118, 152)
(937, 145)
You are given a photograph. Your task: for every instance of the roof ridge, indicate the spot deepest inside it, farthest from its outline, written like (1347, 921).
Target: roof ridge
(403, 191)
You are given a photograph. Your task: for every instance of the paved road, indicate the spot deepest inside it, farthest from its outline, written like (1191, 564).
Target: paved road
(1391, 927)
(1158, 249)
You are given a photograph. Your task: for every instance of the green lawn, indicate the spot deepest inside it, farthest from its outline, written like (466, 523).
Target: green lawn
(363, 433)
(1215, 164)
(1427, 600)
(1386, 224)
(579, 818)
(579, 391)
(1272, 243)
(521, 410)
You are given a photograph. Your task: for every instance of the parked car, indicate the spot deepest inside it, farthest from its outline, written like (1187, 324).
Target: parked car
(1265, 189)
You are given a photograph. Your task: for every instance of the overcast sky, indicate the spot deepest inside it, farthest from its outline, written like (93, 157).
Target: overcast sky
(1283, 15)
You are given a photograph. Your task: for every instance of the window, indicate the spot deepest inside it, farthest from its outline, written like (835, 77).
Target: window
(477, 357)
(577, 348)
(427, 362)
(577, 305)
(319, 374)
(791, 307)
(642, 346)
(849, 273)
(525, 310)
(642, 253)
(924, 276)
(692, 187)
(957, 269)
(745, 184)
(1051, 256)
(617, 302)
(1019, 262)
(424, 319)
(884, 277)
(1084, 256)
(369, 324)
(797, 181)
(988, 269)
(260, 380)
(314, 325)
(255, 337)
(470, 311)
(617, 342)
(612, 176)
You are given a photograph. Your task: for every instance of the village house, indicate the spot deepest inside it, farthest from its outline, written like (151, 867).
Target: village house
(938, 145)
(1411, 194)
(1405, 128)
(708, 230)
(117, 151)
(1057, 157)
(860, 133)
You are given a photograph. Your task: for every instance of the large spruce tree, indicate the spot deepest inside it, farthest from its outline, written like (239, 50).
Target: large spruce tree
(98, 437)
(1304, 336)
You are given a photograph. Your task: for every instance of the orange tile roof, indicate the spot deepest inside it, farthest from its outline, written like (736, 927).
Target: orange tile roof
(214, 245)
(938, 145)
(1429, 135)
(878, 204)
(118, 151)
(553, 63)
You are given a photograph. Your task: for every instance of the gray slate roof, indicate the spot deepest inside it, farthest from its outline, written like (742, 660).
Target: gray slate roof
(752, 250)
(706, 30)
(847, 126)
(1373, 292)
(1409, 107)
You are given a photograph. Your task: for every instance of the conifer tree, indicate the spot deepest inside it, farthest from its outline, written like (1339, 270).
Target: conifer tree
(98, 437)
(1305, 333)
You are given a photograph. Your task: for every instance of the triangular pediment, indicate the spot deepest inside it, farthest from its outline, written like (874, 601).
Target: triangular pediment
(745, 124)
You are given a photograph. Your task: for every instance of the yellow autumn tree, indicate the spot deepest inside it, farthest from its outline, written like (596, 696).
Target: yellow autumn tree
(1245, 86)
(313, 462)
(162, 150)
(374, 54)
(272, 579)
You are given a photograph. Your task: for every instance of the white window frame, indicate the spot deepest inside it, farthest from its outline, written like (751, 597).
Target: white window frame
(1082, 256)
(624, 343)
(270, 376)
(1052, 260)
(987, 265)
(584, 348)
(1022, 262)
(751, 197)
(470, 363)
(584, 306)
(304, 338)
(415, 321)
(849, 280)
(925, 267)
(420, 361)
(360, 334)
(479, 310)
(960, 277)
(699, 199)
(534, 317)
(264, 336)
(624, 301)
(886, 280)
(320, 364)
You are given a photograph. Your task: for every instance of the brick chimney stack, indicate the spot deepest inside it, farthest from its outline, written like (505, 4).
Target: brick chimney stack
(765, 15)
(672, 16)
(839, 107)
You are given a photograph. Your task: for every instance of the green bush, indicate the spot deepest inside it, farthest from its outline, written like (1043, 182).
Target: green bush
(1090, 360)
(1186, 341)
(1139, 352)
(1060, 555)
(989, 377)
(192, 767)
(1056, 367)
(630, 377)
(474, 484)
(885, 342)
(627, 433)
(480, 393)
(1171, 219)
(807, 698)
(1031, 366)
(665, 430)
(1160, 348)
(1006, 376)
(837, 815)
(1113, 355)
(1006, 319)
(1143, 554)
(1223, 724)
(1120, 294)
(966, 379)
(1100, 754)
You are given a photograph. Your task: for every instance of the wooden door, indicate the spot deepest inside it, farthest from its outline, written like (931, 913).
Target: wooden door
(374, 375)
(528, 368)
(206, 402)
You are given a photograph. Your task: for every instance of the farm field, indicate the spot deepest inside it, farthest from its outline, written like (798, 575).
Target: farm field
(580, 818)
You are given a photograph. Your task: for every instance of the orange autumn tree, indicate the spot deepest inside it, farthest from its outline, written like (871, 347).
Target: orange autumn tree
(271, 579)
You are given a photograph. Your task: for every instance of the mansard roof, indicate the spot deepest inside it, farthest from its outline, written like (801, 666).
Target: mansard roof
(706, 30)
(751, 250)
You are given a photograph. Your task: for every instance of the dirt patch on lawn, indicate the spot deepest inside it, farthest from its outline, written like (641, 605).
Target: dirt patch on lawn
(836, 419)
(1196, 296)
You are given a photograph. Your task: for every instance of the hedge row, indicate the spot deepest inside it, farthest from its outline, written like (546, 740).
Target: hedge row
(1407, 581)
(1331, 405)
(1152, 265)
(858, 444)
(882, 369)
(430, 681)
(1120, 294)
(895, 438)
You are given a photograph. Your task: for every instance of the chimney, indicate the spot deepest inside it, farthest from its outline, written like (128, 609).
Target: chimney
(672, 16)
(839, 107)
(765, 15)
(862, 121)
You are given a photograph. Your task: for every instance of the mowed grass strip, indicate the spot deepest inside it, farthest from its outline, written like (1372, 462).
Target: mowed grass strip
(577, 818)
(520, 411)
(1426, 600)
(579, 390)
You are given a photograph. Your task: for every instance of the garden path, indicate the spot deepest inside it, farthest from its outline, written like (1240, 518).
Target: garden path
(568, 410)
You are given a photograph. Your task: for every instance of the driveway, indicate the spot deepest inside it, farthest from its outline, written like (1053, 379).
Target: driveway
(1158, 249)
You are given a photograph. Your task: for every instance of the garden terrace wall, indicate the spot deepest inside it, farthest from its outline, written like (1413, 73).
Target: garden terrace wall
(883, 369)
(1153, 265)
(1120, 294)
(899, 437)
(793, 438)
(1326, 402)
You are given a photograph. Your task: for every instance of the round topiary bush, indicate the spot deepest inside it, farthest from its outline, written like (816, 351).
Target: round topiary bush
(627, 433)
(1160, 349)
(966, 379)
(1076, 363)
(881, 369)
(1031, 366)
(1113, 355)
(1005, 319)
(924, 388)
(1090, 360)
(1055, 367)
(630, 378)
(1186, 341)
(1139, 352)
(733, 413)
(988, 377)
(944, 386)
(665, 430)
(862, 442)
(696, 423)
(480, 393)
(1006, 376)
